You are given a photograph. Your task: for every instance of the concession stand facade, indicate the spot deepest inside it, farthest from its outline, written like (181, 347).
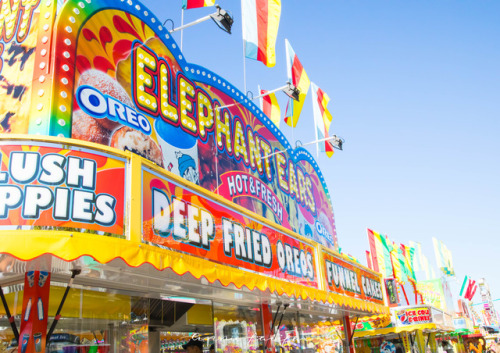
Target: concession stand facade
(145, 201)
(412, 328)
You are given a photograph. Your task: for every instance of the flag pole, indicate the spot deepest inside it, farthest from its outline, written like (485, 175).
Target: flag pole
(289, 74)
(254, 98)
(315, 123)
(244, 51)
(261, 106)
(182, 24)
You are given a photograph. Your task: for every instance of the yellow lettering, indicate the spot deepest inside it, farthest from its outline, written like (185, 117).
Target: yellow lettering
(266, 148)
(186, 104)
(240, 144)
(223, 128)
(26, 16)
(280, 169)
(205, 113)
(310, 198)
(167, 110)
(145, 63)
(302, 184)
(292, 181)
(254, 151)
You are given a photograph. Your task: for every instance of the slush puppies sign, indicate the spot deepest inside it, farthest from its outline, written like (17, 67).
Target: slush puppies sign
(48, 186)
(132, 89)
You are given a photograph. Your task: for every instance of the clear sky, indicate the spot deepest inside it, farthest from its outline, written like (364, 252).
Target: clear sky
(415, 93)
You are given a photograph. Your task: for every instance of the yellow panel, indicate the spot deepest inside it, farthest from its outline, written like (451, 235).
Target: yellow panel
(10, 298)
(200, 314)
(100, 305)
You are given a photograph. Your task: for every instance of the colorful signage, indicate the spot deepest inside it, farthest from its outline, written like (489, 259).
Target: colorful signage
(413, 316)
(18, 39)
(435, 292)
(48, 186)
(177, 218)
(33, 332)
(391, 290)
(132, 89)
(348, 279)
(383, 321)
(387, 347)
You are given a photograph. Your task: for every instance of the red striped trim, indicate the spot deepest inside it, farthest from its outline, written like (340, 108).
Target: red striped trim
(262, 7)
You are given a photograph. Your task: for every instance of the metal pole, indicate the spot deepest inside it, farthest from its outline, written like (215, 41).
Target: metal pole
(281, 318)
(58, 313)
(182, 24)
(259, 96)
(275, 316)
(203, 19)
(305, 144)
(244, 52)
(315, 122)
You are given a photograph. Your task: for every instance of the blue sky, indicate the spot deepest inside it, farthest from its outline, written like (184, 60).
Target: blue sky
(415, 93)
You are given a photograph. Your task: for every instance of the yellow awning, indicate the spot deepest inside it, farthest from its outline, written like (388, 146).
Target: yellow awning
(409, 328)
(69, 246)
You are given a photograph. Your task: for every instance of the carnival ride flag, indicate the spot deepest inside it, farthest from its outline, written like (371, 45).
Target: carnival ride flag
(398, 264)
(409, 257)
(298, 77)
(420, 261)
(270, 107)
(322, 118)
(261, 19)
(380, 251)
(192, 4)
(443, 257)
(468, 289)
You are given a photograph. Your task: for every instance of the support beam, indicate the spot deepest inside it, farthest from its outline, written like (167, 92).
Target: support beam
(348, 335)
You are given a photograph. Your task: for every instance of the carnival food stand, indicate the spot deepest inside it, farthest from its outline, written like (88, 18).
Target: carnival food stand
(412, 328)
(143, 201)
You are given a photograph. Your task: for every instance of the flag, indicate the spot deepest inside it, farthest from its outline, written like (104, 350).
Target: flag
(409, 255)
(443, 257)
(399, 264)
(468, 289)
(298, 77)
(322, 118)
(192, 4)
(261, 19)
(369, 260)
(464, 283)
(381, 256)
(418, 261)
(269, 105)
(472, 293)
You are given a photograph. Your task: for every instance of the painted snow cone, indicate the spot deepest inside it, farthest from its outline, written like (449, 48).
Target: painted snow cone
(180, 151)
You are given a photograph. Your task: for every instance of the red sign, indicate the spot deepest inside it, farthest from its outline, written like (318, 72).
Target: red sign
(180, 219)
(35, 311)
(414, 316)
(48, 186)
(348, 279)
